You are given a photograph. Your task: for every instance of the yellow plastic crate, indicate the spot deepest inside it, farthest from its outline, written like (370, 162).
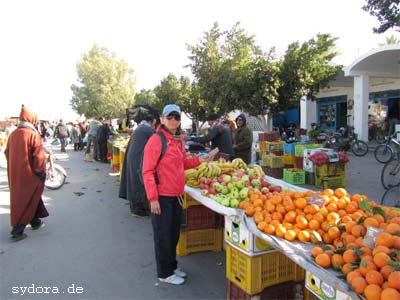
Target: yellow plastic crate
(331, 169)
(330, 182)
(115, 155)
(255, 273)
(272, 161)
(289, 159)
(121, 161)
(199, 240)
(189, 201)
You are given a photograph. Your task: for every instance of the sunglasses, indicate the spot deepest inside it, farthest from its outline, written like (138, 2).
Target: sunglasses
(173, 116)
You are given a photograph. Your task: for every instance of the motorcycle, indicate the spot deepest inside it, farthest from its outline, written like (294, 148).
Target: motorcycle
(55, 174)
(344, 140)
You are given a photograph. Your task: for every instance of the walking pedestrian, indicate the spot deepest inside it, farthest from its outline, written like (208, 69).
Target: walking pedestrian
(164, 183)
(26, 170)
(92, 139)
(62, 133)
(131, 187)
(75, 136)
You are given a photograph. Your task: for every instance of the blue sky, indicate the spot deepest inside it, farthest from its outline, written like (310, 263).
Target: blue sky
(43, 40)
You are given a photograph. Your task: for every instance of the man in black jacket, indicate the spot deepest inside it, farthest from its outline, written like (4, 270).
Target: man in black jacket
(131, 187)
(62, 133)
(219, 134)
(102, 136)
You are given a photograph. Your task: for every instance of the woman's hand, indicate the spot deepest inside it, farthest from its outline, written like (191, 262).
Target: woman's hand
(155, 207)
(206, 158)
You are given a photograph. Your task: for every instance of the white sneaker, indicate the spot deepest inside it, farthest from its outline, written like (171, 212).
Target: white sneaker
(173, 279)
(180, 273)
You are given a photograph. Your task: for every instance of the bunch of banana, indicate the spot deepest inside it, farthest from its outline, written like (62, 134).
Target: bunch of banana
(259, 170)
(213, 170)
(191, 177)
(238, 163)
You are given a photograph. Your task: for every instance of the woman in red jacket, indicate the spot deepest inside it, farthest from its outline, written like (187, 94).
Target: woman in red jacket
(164, 182)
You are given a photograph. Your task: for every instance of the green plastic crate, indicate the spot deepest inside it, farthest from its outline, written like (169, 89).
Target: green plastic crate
(298, 177)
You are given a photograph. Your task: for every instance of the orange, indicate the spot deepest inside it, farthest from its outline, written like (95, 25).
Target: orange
(349, 238)
(280, 231)
(371, 222)
(290, 216)
(390, 294)
(337, 261)
(340, 192)
(350, 208)
(313, 224)
(277, 216)
(313, 209)
(301, 222)
(349, 256)
(349, 226)
(261, 225)
(324, 211)
(366, 266)
(303, 236)
(319, 217)
(393, 228)
(381, 249)
(269, 229)
(347, 268)
(341, 203)
(359, 284)
(379, 218)
(323, 260)
(396, 242)
(394, 280)
(290, 235)
(327, 238)
(373, 292)
(276, 199)
(316, 250)
(332, 207)
(384, 239)
(300, 202)
(381, 259)
(334, 232)
(352, 275)
(328, 192)
(358, 230)
(386, 271)
(332, 217)
(374, 277)
(250, 210)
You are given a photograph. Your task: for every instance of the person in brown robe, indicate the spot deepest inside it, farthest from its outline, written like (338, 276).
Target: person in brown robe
(26, 170)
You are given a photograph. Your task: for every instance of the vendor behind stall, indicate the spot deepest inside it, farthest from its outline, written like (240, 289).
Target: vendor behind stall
(219, 134)
(242, 139)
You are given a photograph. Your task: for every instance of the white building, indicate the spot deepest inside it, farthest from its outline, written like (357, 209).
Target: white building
(370, 86)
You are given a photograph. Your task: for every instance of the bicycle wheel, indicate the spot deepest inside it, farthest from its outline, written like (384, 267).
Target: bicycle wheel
(380, 138)
(391, 197)
(390, 175)
(359, 148)
(383, 153)
(55, 180)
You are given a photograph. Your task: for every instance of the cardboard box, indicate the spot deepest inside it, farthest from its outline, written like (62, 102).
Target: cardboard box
(238, 236)
(323, 290)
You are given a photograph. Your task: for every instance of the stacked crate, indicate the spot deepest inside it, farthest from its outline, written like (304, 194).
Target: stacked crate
(254, 268)
(272, 159)
(330, 176)
(288, 155)
(115, 159)
(299, 153)
(201, 228)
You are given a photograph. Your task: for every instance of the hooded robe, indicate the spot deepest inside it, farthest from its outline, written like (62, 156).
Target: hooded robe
(26, 170)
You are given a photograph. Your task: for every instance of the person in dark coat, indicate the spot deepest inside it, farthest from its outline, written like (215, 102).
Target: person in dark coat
(26, 171)
(219, 134)
(103, 133)
(242, 139)
(62, 133)
(131, 187)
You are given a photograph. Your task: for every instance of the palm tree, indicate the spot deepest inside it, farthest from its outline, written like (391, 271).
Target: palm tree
(390, 40)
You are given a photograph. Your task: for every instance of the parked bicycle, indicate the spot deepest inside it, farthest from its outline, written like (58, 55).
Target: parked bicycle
(344, 140)
(391, 197)
(390, 175)
(384, 153)
(55, 174)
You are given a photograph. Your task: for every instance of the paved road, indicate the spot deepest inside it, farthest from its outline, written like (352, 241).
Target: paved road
(92, 245)
(92, 242)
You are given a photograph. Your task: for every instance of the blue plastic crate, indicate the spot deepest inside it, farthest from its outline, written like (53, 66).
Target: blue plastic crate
(289, 148)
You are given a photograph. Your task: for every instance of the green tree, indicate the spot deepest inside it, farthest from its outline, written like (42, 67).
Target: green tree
(387, 12)
(106, 86)
(390, 40)
(232, 72)
(147, 97)
(305, 69)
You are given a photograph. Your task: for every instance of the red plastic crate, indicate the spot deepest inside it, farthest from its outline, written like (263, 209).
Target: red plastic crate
(200, 217)
(299, 162)
(273, 172)
(284, 291)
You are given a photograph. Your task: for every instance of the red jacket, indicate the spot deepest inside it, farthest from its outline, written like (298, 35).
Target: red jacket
(170, 168)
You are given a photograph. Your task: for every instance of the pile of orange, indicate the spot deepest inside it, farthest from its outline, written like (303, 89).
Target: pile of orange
(339, 222)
